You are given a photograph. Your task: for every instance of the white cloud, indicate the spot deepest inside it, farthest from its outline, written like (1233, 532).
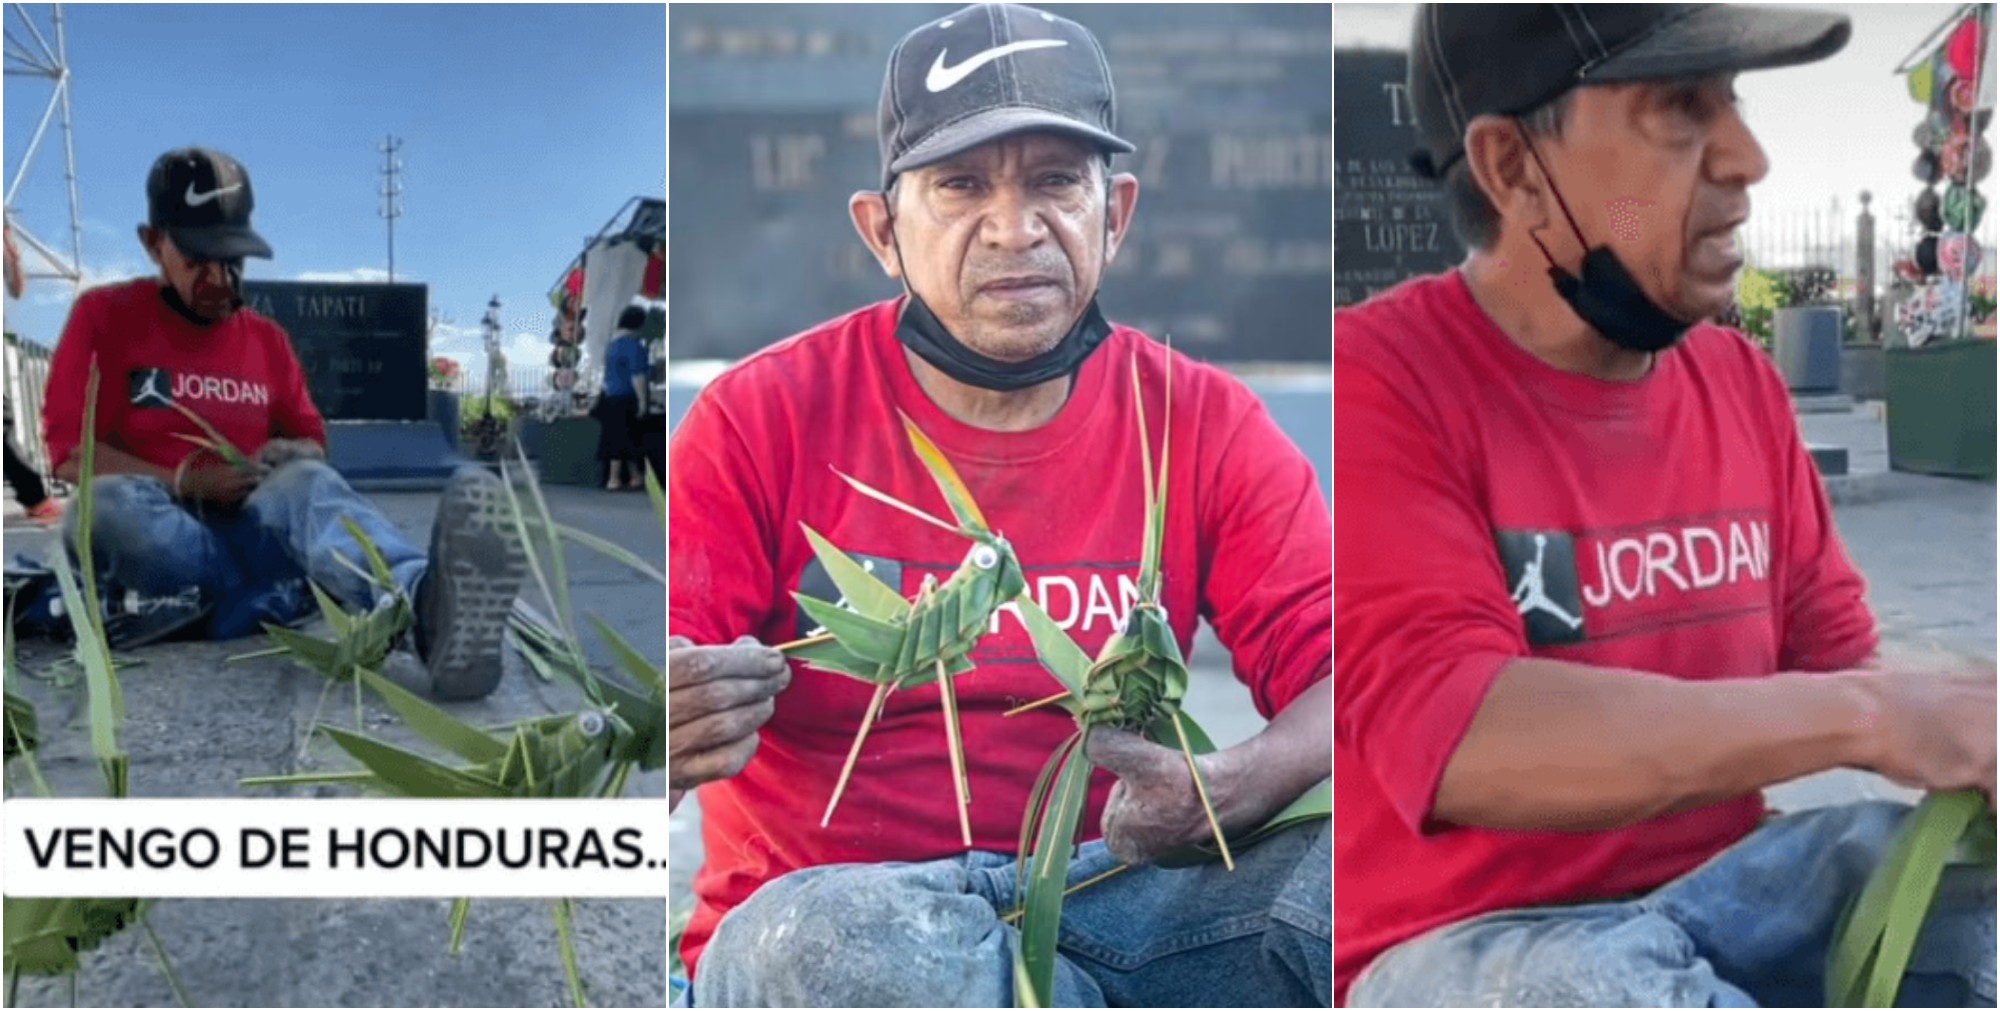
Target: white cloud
(527, 356)
(367, 274)
(453, 339)
(49, 291)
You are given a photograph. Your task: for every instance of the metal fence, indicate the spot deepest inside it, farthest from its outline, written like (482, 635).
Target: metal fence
(1818, 250)
(530, 389)
(27, 377)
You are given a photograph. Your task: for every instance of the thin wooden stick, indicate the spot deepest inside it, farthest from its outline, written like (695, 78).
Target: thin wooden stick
(166, 964)
(854, 753)
(1038, 703)
(956, 742)
(1202, 792)
(1073, 889)
(802, 643)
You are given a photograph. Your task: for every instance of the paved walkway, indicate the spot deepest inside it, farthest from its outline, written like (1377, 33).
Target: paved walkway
(197, 723)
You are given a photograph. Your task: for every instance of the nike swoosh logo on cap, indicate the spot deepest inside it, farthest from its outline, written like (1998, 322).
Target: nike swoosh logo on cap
(197, 199)
(942, 77)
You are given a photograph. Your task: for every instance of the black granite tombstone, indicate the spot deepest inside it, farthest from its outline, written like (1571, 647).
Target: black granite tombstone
(772, 118)
(1389, 222)
(362, 346)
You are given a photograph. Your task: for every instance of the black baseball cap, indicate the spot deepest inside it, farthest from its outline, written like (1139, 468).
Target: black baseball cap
(1470, 60)
(988, 71)
(201, 198)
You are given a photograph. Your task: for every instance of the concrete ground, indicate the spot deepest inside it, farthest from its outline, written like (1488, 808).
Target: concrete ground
(197, 723)
(1926, 546)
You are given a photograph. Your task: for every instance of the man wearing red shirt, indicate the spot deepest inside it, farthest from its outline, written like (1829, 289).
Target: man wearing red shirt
(194, 537)
(1590, 599)
(999, 213)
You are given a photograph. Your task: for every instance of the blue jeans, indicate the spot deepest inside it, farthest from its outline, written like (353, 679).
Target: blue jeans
(924, 935)
(248, 564)
(1749, 928)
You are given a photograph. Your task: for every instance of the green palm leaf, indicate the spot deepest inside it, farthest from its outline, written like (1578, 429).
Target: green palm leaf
(1871, 947)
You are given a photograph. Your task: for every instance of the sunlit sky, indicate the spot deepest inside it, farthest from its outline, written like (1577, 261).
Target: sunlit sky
(1831, 129)
(524, 128)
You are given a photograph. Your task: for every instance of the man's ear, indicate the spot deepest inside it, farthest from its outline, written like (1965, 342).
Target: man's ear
(872, 219)
(1497, 156)
(149, 238)
(1121, 203)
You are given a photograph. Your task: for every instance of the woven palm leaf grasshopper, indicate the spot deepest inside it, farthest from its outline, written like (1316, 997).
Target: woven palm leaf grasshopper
(1136, 682)
(47, 936)
(588, 753)
(1872, 945)
(893, 643)
(359, 641)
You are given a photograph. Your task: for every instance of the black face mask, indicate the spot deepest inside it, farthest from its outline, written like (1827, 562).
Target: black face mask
(1607, 297)
(233, 269)
(922, 332)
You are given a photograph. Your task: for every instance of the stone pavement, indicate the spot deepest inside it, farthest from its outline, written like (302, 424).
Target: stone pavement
(1926, 546)
(197, 723)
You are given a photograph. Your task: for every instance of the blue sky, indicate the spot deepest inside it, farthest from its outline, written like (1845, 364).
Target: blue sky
(524, 128)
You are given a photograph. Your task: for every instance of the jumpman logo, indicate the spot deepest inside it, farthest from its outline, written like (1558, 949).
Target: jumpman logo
(148, 391)
(1530, 594)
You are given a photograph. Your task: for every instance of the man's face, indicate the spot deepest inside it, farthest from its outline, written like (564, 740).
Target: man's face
(205, 286)
(1007, 242)
(1661, 172)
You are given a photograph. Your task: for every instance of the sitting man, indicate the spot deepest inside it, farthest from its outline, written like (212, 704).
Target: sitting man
(999, 212)
(1590, 599)
(177, 523)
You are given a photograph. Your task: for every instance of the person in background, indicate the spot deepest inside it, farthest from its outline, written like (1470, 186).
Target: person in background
(623, 403)
(29, 489)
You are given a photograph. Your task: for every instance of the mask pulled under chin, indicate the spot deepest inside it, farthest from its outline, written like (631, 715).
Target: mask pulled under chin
(174, 302)
(920, 330)
(1607, 298)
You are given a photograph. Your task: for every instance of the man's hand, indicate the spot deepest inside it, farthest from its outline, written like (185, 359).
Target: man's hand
(1154, 808)
(718, 697)
(212, 479)
(1932, 729)
(278, 452)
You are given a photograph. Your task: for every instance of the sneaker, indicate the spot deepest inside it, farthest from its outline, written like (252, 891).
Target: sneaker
(132, 619)
(48, 512)
(476, 568)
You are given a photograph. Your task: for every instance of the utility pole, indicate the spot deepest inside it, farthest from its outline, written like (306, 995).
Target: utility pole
(392, 193)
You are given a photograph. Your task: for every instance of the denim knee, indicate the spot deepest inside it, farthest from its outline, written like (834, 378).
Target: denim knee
(1605, 955)
(1301, 935)
(898, 935)
(126, 513)
(296, 477)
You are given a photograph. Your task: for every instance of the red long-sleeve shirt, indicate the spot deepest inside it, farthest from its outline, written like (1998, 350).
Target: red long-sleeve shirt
(1247, 547)
(1492, 507)
(240, 376)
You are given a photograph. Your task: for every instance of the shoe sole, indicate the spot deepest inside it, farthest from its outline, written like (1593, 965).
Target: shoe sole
(478, 565)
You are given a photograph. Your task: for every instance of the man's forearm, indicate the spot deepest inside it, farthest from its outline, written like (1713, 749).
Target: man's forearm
(1253, 780)
(1565, 747)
